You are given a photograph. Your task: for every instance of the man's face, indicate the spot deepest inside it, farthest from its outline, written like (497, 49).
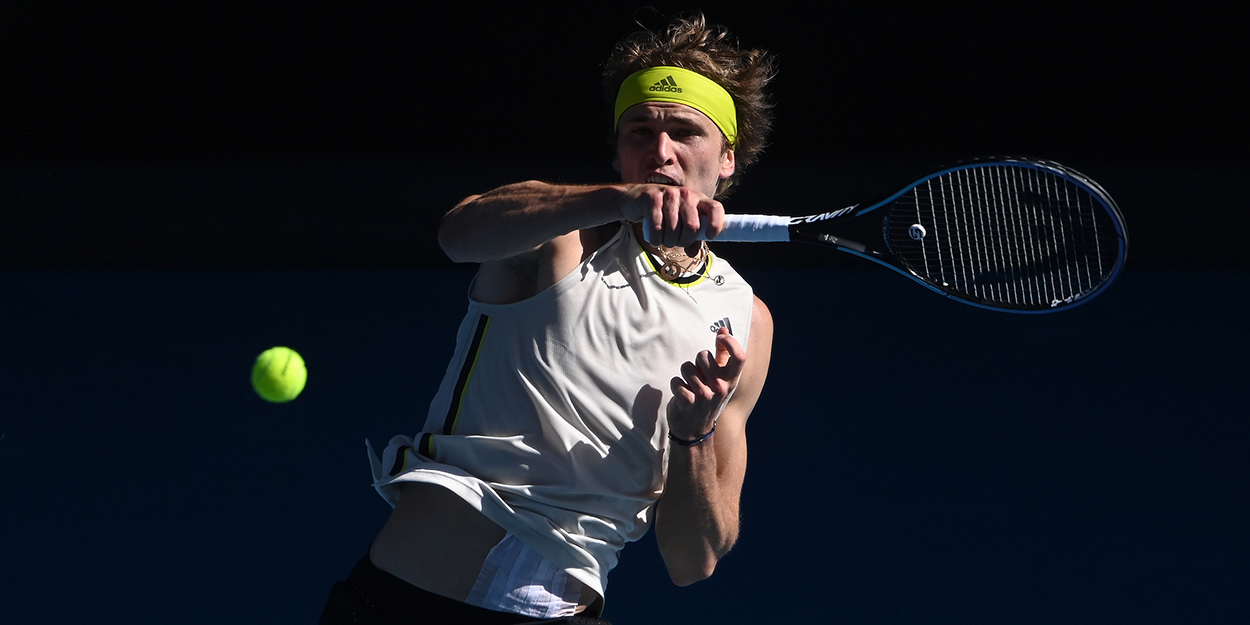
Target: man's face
(670, 143)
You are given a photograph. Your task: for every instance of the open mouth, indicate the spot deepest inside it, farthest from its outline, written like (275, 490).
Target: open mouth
(658, 179)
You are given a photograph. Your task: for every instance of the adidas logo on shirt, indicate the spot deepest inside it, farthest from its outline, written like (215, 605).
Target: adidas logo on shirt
(723, 323)
(668, 84)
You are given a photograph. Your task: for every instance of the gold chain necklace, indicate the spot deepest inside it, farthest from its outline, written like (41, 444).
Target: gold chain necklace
(675, 266)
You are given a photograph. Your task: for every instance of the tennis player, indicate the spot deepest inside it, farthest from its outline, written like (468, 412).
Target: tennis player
(603, 374)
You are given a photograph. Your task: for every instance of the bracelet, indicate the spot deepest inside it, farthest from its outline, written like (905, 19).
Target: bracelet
(694, 441)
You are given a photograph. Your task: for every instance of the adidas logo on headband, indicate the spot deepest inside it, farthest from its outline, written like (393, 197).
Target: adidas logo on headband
(668, 84)
(697, 91)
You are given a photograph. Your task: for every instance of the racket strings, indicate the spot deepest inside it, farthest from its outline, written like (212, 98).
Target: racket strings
(1004, 234)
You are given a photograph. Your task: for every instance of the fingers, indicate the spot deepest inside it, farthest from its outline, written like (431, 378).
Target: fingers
(703, 389)
(692, 386)
(692, 382)
(676, 215)
(672, 201)
(708, 375)
(680, 216)
(730, 354)
(715, 222)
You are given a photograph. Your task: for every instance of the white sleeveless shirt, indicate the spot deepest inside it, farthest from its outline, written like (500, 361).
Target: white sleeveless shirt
(551, 416)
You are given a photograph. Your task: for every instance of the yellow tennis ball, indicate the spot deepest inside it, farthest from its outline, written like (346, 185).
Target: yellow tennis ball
(279, 374)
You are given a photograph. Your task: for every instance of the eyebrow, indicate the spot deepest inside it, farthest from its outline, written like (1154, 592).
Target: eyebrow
(640, 116)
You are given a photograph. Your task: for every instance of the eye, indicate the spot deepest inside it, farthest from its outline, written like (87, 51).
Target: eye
(687, 131)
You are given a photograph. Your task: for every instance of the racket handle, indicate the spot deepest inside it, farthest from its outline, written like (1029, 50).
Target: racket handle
(743, 229)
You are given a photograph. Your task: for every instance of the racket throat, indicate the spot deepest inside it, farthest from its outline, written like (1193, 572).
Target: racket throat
(823, 238)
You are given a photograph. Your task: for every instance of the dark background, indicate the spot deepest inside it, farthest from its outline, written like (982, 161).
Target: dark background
(184, 186)
(316, 135)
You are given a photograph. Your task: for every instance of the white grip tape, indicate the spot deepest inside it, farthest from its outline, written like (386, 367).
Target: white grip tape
(743, 229)
(755, 228)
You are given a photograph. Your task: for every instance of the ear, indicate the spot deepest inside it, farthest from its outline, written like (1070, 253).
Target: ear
(616, 162)
(727, 164)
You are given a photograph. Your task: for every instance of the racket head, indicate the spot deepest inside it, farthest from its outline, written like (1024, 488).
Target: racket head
(1013, 234)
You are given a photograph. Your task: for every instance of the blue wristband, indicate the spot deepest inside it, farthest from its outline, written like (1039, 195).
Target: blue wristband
(694, 441)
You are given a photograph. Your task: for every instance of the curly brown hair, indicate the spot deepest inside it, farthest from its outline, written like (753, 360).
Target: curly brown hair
(693, 44)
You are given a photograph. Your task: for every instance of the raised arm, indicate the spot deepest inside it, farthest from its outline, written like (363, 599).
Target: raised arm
(697, 520)
(517, 218)
(529, 235)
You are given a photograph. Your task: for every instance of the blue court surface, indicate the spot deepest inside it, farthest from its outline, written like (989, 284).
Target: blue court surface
(913, 460)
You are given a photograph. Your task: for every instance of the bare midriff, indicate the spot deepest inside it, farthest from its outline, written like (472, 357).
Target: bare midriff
(436, 541)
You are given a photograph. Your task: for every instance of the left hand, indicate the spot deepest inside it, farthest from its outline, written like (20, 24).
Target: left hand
(705, 384)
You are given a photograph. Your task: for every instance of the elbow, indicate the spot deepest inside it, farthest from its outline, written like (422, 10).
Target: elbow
(451, 235)
(451, 247)
(690, 567)
(693, 558)
(694, 572)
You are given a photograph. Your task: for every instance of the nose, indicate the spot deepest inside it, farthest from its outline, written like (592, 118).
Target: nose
(663, 149)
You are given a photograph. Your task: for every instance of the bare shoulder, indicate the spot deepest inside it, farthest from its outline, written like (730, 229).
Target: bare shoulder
(761, 317)
(761, 331)
(759, 356)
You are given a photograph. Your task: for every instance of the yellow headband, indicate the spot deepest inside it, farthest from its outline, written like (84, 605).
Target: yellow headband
(674, 84)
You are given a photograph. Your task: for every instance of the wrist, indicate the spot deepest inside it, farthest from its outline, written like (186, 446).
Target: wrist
(623, 197)
(691, 442)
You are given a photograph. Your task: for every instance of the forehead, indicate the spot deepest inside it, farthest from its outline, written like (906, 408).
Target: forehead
(666, 111)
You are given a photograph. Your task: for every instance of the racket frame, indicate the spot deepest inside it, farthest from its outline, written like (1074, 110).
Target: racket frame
(801, 230)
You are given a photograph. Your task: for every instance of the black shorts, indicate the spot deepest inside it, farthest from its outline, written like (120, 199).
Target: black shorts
(371, 596)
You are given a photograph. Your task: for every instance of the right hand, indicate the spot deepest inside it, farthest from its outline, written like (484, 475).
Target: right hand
(676, 214)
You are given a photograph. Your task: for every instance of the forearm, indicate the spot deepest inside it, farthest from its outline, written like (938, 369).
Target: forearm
(517, 218)
(697, 521)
